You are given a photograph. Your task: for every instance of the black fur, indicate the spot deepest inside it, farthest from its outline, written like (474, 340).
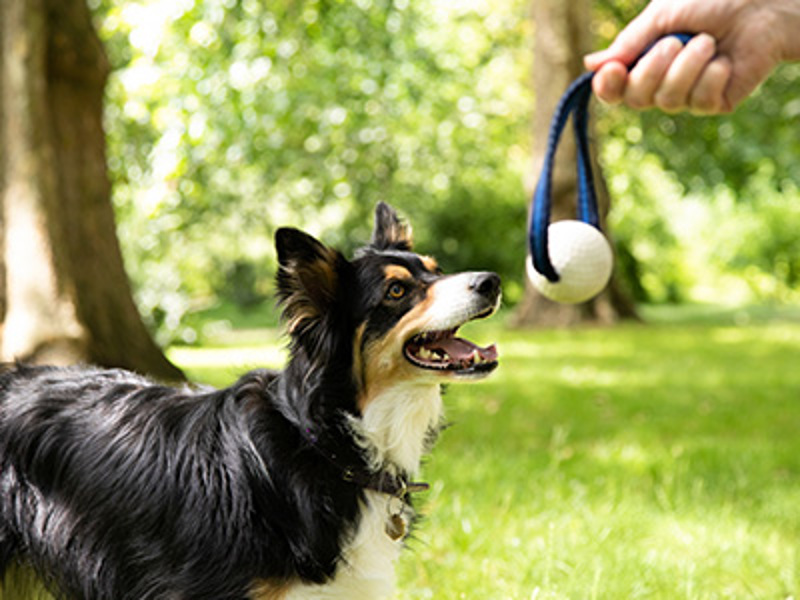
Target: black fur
(113, 487)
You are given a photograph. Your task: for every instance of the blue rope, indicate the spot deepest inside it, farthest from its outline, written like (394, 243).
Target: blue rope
(574, 102)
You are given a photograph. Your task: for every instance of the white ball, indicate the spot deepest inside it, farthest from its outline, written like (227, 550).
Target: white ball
(582, 258)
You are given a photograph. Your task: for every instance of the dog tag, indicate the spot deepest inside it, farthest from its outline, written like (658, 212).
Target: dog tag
(395, 527)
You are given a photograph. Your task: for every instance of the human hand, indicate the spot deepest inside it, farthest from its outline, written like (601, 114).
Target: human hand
(743, 41)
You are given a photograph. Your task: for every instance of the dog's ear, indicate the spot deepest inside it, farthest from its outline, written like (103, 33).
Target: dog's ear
(390, 231)
(308, 277)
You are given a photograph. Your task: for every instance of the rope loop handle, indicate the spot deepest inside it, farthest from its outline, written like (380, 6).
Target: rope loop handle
(575, 103)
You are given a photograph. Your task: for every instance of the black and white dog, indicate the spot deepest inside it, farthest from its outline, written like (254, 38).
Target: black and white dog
(286, 485)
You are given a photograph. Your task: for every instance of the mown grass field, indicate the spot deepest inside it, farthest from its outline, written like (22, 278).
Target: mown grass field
(645, 461)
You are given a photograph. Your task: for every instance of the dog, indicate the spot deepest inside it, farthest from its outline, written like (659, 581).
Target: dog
(292, 484)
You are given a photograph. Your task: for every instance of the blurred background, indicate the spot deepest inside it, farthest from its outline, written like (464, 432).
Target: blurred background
(229, 118)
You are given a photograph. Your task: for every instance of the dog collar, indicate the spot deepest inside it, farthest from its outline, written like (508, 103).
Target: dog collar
(396, 486)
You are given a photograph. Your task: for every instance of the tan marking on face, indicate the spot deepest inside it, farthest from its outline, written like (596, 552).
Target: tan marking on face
(396, 272)
(448, 303)
(430, 263)
(269, 590)
(384, 363)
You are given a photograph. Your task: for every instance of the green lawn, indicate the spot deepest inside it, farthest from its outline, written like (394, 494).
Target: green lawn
(657, 461)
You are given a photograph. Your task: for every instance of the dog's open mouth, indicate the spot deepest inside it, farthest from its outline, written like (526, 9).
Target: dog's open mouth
(443, 351)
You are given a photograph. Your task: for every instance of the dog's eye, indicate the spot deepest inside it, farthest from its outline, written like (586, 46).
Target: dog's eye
(396, 291)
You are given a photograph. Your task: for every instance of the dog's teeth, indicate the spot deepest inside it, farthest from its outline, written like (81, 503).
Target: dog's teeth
(425, 353)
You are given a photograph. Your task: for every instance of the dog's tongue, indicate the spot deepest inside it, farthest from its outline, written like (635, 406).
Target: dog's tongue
(459, 349)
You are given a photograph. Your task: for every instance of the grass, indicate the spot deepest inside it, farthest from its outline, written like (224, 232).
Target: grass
(657, 461)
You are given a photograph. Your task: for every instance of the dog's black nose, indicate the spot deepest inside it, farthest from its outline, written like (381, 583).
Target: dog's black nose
(487, 285)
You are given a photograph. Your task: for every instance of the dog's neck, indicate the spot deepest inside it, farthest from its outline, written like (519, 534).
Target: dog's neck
(398, 425)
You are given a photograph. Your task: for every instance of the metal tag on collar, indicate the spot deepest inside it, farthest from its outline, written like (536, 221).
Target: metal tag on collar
(395, 527)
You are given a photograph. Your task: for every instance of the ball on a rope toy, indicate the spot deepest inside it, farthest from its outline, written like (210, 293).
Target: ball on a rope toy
(582, 257)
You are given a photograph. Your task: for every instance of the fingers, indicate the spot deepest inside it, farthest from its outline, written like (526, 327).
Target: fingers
(645, 80)
(674, 91)
(708, 96)
(609, 82)
(612, 83)
(671, 77)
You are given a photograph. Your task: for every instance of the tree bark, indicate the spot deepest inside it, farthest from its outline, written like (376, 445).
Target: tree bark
(68, 298)
(37, 313)
(563, 36)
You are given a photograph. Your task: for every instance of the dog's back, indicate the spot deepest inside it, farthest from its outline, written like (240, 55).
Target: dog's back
(103, 468)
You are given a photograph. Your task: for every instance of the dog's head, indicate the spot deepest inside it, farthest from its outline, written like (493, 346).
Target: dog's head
(387, 317)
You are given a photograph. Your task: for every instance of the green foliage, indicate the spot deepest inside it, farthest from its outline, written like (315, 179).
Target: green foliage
(230, 118)
(755, 240)
(650, 257)
(730, 150)
(649, 462)
(716, 243)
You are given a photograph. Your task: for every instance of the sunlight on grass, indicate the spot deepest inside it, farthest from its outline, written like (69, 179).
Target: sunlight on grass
(244, 357)
(653, 462)
(221, 366)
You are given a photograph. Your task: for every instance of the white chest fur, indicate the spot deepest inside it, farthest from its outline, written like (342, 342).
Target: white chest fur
(394, 429)
(366, 571)
(396, 425)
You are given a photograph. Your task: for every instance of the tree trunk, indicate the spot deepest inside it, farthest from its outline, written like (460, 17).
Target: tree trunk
(2, 187)
(563, 36)
(67, 296)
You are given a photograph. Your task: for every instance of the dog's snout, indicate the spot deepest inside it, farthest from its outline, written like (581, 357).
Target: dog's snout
(487, 285)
